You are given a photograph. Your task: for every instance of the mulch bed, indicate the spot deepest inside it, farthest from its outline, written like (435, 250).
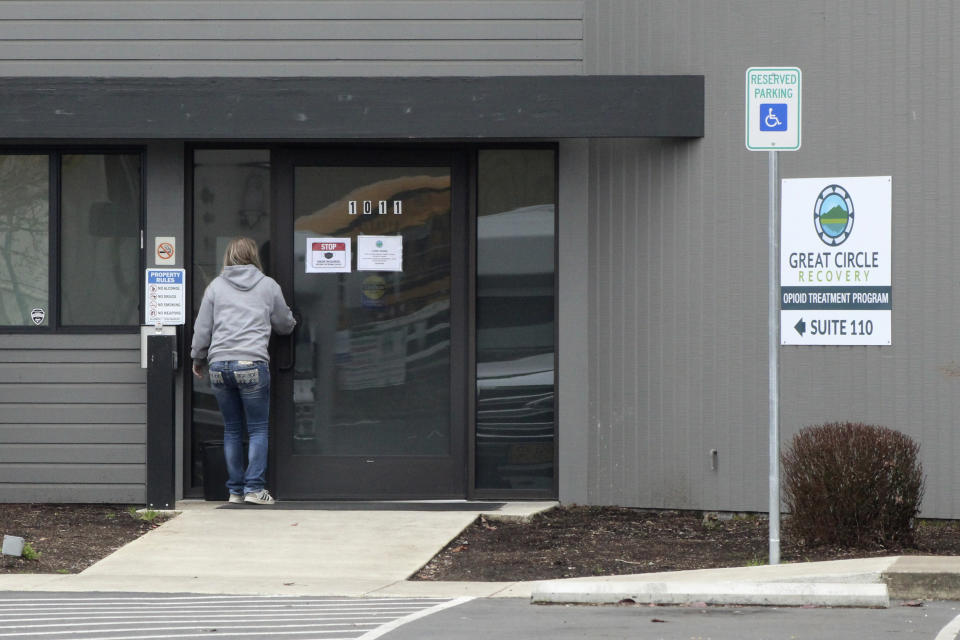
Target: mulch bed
(575, 542)
(68, 537)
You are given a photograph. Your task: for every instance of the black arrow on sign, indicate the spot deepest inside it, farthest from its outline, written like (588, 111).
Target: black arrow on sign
(801, 327)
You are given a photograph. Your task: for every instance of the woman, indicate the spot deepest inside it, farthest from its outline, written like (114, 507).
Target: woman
(239, 309)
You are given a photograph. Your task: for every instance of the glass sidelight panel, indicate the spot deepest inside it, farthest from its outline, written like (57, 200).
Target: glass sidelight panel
(515, 319)
(231, 197)
(371, 371)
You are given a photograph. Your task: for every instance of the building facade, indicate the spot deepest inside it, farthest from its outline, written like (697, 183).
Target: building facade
(580, 310)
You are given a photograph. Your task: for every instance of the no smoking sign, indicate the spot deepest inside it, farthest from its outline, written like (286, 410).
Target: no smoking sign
(166, 249)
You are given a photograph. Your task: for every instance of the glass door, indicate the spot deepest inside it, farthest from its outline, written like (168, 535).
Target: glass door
(370, 389)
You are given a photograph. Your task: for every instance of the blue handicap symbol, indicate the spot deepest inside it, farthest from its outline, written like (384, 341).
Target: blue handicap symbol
(773, 116)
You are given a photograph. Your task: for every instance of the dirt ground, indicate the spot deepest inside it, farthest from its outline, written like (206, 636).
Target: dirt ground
(69, 537)
(562, 543)
(574, 542)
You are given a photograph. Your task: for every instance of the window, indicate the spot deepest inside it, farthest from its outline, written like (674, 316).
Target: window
(516, 198)
(24, 240)
(77, 215)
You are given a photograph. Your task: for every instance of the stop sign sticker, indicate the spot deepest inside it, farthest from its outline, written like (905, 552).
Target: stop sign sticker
(328, 255)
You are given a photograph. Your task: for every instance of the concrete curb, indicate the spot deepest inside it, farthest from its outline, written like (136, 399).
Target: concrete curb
(925, 586)
(786, 594)
(924, 577)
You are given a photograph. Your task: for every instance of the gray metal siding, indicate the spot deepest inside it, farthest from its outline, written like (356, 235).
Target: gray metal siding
(280, 38)
(574, 321)
(678, 246)
(72, 419)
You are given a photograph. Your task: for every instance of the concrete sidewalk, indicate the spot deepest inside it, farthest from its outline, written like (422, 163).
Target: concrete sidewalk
(208, 548)
(372, 552)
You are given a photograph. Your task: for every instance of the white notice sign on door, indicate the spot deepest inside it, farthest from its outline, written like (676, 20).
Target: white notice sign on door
(379, 253)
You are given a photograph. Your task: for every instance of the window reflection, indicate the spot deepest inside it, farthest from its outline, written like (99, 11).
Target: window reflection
(515, 320)
(100, 244)
(24, 239)
(372, 374)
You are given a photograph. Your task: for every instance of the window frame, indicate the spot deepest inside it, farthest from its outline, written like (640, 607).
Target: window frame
(54, 268)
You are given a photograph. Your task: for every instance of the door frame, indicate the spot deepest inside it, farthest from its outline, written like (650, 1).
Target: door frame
(465, 149)
(456, 466)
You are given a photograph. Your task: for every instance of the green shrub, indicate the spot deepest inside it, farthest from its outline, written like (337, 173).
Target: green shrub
(852, 484)
(29, 553)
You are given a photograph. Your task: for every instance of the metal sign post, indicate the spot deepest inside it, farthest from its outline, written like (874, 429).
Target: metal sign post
(774, 370)
(772, 125)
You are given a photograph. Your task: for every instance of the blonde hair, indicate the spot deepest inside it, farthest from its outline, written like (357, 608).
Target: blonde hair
(242, 250)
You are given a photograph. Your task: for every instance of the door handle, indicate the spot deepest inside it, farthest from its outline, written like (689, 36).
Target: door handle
(291, 341)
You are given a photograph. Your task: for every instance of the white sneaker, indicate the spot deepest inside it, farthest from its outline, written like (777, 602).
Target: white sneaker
(236, 498)
(260, 497)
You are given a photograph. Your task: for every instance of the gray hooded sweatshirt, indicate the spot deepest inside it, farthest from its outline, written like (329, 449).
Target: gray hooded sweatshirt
(238, 310)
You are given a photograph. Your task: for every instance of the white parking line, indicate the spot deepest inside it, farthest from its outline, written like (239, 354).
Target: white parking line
(161, 618)
(222, 618)
(195, 627)
(950, 631)
(390, 626)
(207, 634)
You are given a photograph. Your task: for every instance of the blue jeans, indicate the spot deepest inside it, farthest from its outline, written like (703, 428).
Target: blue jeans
(242, 389)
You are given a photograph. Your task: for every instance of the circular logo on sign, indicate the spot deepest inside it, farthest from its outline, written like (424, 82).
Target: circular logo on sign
(379, 244)
(373, 290)
(374, 287)
(833, 215)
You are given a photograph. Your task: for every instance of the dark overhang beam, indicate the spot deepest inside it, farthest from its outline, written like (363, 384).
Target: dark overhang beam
(353, 108)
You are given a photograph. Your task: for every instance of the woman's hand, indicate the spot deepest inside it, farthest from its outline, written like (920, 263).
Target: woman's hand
(198, 369)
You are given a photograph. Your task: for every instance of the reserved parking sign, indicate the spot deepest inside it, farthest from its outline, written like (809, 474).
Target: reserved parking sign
(773, 108)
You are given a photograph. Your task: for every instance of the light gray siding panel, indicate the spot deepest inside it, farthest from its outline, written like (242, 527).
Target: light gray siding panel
(74, 393)
(279, 9)
(11, 357)
(73, 453)
(243, 69)
(678, 237)
(73, 493)
(72, 418)
(256, 38)
(72, 473)
(72, 434)
(172, 50)
(18, 413)
(225, 30)
(121, 342)
(60, 372)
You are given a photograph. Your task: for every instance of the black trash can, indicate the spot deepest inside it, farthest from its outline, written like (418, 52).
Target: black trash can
(214, 471)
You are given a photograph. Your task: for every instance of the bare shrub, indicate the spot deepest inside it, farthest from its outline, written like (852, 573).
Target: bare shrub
(852, 484)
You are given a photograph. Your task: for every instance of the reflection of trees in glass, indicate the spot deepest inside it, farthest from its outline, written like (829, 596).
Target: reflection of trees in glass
(24, 237)
(99, 231)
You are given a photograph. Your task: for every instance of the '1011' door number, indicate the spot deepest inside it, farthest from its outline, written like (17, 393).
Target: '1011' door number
(354, 207)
